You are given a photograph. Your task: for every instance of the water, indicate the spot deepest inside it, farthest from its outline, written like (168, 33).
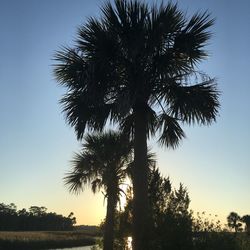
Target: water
(74, 248)
(128, 247)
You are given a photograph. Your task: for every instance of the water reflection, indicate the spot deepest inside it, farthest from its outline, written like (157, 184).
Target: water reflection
(127, 247)
(129, 243)
(74, 248)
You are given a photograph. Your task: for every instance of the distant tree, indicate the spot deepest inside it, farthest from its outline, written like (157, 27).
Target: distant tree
(72, 217)
(246, 220)
(10, 209)
(102, 164)
(36, 218)
(37, 211)
(234, 222)
(208, 234)
(205, 224)
(137, 67)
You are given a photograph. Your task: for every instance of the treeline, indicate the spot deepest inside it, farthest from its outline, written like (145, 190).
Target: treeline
(34, 219)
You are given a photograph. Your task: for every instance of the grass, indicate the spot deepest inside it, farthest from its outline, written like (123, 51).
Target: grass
(45, 239)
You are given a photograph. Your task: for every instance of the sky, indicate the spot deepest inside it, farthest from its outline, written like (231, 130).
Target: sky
(36, 144)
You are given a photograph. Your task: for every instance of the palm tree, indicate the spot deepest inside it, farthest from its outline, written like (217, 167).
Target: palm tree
(136, 67)
(102, 165)
(246, 220)
(234, 222)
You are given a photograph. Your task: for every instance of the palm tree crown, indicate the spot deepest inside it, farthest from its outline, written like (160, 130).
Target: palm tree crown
(137, 57)
(102, 164)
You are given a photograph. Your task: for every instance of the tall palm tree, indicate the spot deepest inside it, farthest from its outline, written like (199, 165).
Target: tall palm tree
(102, 165)
(136, 66)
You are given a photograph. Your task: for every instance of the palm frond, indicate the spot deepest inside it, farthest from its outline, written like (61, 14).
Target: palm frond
(170, 131)
(96, 185)
(151, 163)
(191, 41)
(84, 171)
(127, 126)
(74, 180)
(196, 103)
(81, 113)
(151, 159)
(90, 37)
(164, 23)
(71, 69)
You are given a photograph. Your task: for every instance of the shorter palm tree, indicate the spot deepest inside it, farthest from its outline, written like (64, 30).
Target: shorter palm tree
(102, 164)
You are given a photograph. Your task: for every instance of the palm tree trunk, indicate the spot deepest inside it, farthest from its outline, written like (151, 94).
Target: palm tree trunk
(108, 241)
(140, 183)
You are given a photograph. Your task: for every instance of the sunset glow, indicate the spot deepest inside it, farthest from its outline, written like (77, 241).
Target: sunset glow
(37, 146)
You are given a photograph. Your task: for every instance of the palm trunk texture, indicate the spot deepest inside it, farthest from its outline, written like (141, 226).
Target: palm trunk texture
(140, 184)
(108, 241)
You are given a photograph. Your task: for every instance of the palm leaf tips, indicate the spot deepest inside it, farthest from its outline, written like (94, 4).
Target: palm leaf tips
(171, 132)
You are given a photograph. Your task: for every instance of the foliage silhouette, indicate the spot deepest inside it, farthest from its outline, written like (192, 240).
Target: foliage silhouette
(174, 226)
(102, 164)
(171, 226)
(234, 222)
(35, 219)
(246, 220)
(136, 66)
(210, 235)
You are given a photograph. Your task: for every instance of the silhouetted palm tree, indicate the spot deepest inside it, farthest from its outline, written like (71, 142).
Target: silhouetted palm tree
(102, 165)
(234, 222)
(136, 67)
(246, 220)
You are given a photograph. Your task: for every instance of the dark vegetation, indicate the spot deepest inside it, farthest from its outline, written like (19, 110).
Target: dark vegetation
(89, 230)
(175, 226)
(238, 223)
(171, 224)
(44, 240)
(34, 219)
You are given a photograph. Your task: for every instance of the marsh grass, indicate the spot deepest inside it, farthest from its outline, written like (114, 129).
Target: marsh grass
(45, 240)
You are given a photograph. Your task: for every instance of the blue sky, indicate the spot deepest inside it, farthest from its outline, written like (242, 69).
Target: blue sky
(36, 145)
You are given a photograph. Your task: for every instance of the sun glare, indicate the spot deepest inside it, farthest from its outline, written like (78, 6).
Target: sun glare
(123, 199)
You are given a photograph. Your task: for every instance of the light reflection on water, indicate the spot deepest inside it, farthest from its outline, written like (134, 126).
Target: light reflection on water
(74, 248)
(129, 243)
(128, 246)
